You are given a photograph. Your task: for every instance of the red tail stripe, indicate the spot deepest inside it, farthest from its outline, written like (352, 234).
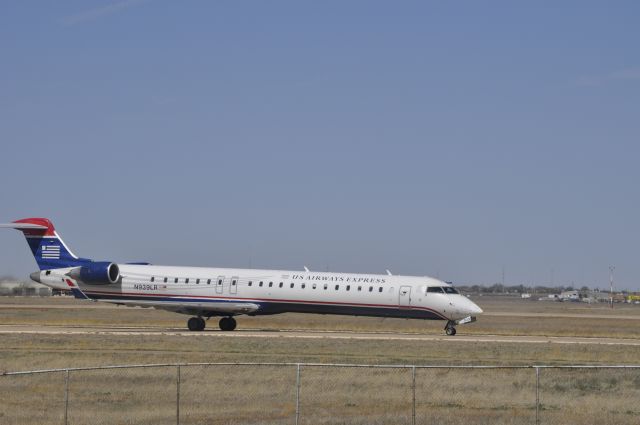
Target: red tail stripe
(50, 231)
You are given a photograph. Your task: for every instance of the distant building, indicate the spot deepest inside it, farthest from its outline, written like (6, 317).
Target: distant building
(24, 289)
(570, 296)
(596, 296)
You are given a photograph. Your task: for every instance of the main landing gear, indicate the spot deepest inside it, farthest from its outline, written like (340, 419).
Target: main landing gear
(198, 324)
(227, 323)
(450, 329)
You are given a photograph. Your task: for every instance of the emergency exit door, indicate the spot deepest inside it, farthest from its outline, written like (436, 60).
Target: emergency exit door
(404, 296)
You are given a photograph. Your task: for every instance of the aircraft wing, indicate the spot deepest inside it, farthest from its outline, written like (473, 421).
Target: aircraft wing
(219, 308)
(222, 308)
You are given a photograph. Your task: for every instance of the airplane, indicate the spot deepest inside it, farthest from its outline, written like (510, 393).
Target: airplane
(204, 293)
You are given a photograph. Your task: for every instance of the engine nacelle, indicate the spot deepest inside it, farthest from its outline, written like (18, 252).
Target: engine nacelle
(97, 273)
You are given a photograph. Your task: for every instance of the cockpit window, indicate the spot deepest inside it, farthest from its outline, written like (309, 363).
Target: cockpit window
(443, 289)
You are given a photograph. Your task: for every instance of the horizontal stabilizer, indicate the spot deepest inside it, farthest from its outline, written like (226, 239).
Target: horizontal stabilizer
(20, 226)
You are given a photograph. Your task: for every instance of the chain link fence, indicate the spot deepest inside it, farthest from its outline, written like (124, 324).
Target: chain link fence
(300, 394)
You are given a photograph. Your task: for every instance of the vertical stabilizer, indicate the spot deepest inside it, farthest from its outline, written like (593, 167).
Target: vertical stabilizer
(47, 247)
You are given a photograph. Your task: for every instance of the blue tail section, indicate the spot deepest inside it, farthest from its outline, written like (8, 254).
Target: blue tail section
(51, 253)
(46, 245)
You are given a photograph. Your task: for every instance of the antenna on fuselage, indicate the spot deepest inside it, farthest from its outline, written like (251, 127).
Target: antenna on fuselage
(306, 269)
(389, 273)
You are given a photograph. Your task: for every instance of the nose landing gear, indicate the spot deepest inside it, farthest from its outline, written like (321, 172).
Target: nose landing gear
(450, 329)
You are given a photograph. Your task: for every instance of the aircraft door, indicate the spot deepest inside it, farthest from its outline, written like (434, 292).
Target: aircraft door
(233, 289)
(404, 296)
(219, 284)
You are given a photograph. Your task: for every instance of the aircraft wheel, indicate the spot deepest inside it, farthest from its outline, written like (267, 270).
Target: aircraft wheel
(196, 324)
(227, 323)
(451, 331)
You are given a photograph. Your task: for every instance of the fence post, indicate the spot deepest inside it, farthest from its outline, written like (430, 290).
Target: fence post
(413, 390)
(66, 396)
(178, 395)
(297, 393)
(537, 395)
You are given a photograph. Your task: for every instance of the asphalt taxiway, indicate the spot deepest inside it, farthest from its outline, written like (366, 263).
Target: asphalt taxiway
(309, 334)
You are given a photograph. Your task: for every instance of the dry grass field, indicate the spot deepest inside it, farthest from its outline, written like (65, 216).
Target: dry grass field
(235, 394)
(266, 394)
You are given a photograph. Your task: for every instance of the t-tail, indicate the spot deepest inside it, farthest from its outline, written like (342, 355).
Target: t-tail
(47, 247)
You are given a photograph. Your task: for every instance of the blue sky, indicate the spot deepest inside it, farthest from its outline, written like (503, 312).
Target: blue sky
(443, 138)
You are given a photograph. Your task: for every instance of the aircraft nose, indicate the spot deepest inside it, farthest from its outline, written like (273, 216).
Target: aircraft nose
(472, 307)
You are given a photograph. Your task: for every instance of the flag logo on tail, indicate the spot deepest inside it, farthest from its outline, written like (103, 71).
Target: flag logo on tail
(51, 252)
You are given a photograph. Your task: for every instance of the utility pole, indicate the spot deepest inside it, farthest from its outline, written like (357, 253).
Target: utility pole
(611, 269)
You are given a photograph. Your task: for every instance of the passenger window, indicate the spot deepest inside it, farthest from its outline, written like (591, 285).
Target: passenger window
(233, 282)
(314, 286)
(303, 285)
(175, 280)
(197, 281)
(270, 284)
(250, 283)
(165, 280)
(219, 282)
(359, 288)
(208, 281)
(337, 287)
(380, 289)
(370, 288)
(152, 278)
(348, 287)
(326, 286)
(186, 281)
(280, 284)
(260, 283)
(292, 285)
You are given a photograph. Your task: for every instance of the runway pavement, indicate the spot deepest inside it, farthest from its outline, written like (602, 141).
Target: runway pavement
(310, 334)
(105, 306)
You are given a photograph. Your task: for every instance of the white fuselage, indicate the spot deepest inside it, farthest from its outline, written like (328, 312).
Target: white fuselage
(221, 291)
